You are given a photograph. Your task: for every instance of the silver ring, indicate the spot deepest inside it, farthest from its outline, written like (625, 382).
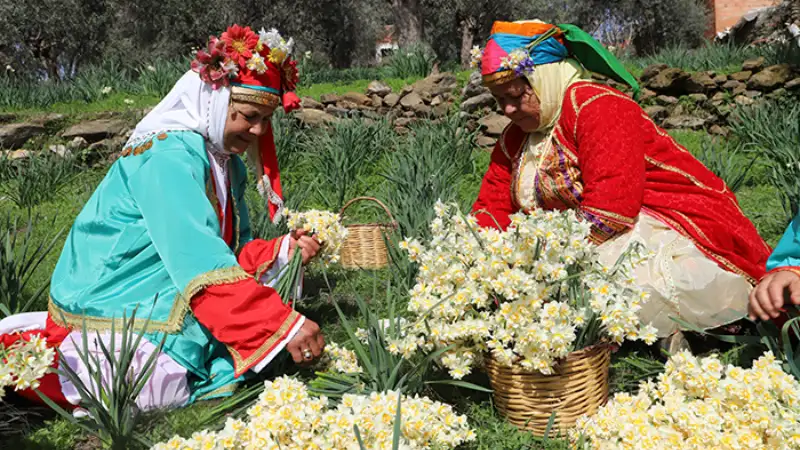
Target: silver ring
(307, 354)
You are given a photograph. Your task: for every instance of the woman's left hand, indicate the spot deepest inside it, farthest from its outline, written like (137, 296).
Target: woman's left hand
(308, 245)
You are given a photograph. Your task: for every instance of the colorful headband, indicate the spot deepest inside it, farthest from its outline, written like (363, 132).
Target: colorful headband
(514, 49)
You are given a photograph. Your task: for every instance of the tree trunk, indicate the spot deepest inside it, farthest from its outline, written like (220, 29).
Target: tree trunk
(467, 37)
(408, 21)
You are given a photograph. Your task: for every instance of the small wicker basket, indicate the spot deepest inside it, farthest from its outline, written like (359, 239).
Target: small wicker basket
(528, 399)
(364, 247)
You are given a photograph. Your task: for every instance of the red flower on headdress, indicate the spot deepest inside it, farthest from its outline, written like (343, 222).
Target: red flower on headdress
(290, 76)
(239, 44)
(212, 65)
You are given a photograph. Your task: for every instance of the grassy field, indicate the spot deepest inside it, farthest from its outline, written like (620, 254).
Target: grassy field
(309, 160)
(323, 169)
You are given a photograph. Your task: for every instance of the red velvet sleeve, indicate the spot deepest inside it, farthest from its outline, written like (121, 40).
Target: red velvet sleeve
(258, 255)
(250, 319)
(611, 140)
(494, 201)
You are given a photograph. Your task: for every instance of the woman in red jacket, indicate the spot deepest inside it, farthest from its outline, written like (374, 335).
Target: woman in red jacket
(577, 144)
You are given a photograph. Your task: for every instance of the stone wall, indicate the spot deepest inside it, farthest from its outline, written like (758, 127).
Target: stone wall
(672, 97)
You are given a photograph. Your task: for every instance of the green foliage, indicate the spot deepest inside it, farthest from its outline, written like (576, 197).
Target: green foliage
(15, 420)
(493, 432)
(631, 369)
(773, 130)
(727, 161)
(111, 403)
(425, 168)
(51, 435)
(157, 79)
(342, 157)
(51, 38)
(36, 179)
(20, 257)
(381, 369)
(414, 61)
(719, 57)
(655, 25)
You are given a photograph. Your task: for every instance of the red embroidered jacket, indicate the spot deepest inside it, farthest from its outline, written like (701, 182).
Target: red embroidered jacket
(611, 162)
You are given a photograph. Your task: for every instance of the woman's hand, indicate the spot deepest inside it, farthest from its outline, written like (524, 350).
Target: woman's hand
(768, 298)
(308, 344)
(309, 246)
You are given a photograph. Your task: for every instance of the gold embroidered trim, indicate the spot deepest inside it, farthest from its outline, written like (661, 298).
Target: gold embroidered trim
(579, 108)
(498, 78)
(211, 193)
(682, 149)
(174, 321)
(243, 94)
(610, 215)
(503, 147)
(213, 278)
(235, 220)
(240, 364)
(67, 319)
(719, 259)
(516, 169)
(688, 176)
(267, 264)
(228, 388)
(693, 225)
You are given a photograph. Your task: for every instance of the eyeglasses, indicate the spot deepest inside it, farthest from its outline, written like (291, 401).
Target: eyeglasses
(515, 100)
(252, 119)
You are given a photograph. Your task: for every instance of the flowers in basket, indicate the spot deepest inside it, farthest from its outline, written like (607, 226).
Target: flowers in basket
(24, 363)
(287, 417)
(529, 295)
(700, 403)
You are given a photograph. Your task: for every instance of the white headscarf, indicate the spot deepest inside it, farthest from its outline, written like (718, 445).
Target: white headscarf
(191, 105)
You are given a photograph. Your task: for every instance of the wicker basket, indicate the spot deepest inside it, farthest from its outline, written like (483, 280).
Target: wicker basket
(364, 247)
(528, 399)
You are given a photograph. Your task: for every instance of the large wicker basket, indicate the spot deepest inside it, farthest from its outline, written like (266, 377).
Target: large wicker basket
(528, 399)
(365, 247)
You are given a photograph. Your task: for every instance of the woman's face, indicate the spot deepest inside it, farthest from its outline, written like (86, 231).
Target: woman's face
(519, 103)
(246, 122)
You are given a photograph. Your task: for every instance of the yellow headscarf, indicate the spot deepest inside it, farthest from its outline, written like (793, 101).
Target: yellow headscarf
(550, 83)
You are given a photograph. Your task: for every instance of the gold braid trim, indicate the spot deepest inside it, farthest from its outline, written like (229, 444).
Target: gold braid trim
(67, 319)
(219, 276)
(610, 215)
(268, 263)
(235, 220)
(579, 108)
(227, 389)
(240, 364)
(498, 78)
(174, 321)
(729, 266)
(243, 94)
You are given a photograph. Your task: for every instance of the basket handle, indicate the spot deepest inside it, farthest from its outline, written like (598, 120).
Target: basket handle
(373, 199)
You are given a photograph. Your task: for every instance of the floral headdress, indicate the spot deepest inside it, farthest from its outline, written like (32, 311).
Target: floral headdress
(257, 68)
(261, 62)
